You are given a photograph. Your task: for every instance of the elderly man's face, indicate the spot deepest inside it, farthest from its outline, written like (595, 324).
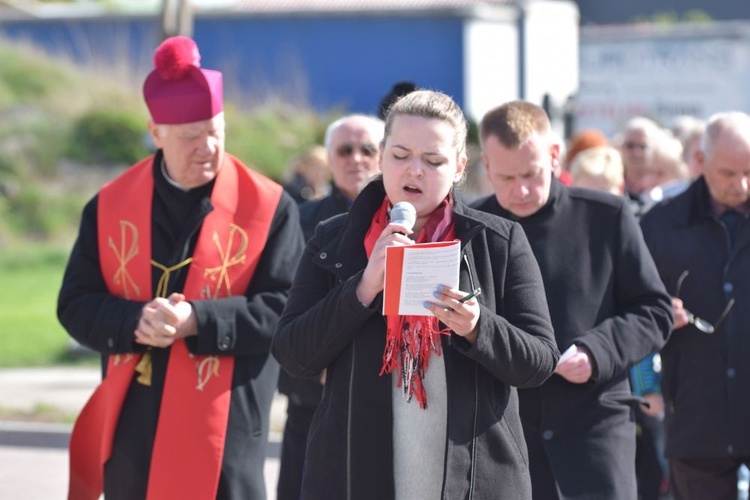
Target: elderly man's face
(193, 152)
(353, 156)
(637, 158)
(727, 172)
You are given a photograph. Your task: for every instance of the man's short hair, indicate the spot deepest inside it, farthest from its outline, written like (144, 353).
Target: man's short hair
(735, 122)
(514, 122)
(643, 124)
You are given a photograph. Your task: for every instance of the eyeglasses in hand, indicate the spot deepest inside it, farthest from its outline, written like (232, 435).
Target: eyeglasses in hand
(700, 323)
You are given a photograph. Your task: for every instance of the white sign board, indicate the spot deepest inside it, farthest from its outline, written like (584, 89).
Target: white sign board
(661, 78)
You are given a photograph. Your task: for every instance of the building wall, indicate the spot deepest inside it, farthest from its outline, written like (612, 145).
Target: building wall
(608, 12)
(342, 61)
(551, 55)
(348, 62)
(333, 62)
(662, 73)
(492, 54)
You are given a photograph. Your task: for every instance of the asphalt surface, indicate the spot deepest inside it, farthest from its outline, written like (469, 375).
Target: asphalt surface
(34, 456)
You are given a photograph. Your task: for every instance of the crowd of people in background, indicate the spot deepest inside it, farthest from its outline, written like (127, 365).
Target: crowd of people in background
(606, 357)
(646, 164)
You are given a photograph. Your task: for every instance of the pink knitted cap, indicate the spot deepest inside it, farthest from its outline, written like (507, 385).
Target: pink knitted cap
(178, 90)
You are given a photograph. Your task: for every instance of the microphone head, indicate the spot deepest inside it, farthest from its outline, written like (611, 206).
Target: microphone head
(404, 213)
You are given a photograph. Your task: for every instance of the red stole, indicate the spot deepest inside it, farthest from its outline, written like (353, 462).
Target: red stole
(189, 443)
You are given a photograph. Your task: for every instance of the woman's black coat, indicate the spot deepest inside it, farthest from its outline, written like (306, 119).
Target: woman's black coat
(324, 326)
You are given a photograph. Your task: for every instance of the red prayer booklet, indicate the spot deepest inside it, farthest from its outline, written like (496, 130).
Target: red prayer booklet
(412, 274)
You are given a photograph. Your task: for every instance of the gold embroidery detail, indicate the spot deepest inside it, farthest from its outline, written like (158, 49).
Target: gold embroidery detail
(208, 367)
(163, 286)
(122, 276)
(144, 367)
(227, 261)
(119, 358)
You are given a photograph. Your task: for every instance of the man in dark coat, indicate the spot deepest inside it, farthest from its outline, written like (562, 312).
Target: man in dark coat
(700, 241)
(609, 309)
(180, 272)
(352, 143)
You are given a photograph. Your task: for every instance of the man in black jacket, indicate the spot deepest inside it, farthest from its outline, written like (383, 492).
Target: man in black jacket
(353, 145)
(700, 241)
(609, 309)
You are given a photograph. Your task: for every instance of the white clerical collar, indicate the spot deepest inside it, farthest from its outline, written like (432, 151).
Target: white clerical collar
(170, 180)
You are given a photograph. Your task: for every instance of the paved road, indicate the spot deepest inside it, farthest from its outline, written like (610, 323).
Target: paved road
(31, 472)
(34, 457)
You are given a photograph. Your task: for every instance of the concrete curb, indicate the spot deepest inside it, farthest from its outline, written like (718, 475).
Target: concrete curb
(34, 434)
(45, 435)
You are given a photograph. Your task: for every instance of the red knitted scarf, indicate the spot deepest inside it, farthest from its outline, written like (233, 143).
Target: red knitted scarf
(410, 340)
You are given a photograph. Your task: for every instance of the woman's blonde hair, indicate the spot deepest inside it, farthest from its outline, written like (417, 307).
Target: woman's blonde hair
(432, 105)
(602, 162)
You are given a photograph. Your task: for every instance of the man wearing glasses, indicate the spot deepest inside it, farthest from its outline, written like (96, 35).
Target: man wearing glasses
(637, 149)
(700, 241)
(353, 145)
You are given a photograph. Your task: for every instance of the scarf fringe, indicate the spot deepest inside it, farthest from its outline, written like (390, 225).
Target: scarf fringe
(407, 351)
(410, 340)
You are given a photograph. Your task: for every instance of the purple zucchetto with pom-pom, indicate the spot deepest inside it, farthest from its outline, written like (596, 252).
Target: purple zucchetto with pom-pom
(178, 90)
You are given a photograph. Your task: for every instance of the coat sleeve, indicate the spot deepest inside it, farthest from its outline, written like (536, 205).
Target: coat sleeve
(518, 345)
(244, 325)
(321, 318)
(643, 319)
(85, 308)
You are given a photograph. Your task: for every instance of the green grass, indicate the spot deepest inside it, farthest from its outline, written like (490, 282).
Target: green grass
(31, 334)
(39, 413)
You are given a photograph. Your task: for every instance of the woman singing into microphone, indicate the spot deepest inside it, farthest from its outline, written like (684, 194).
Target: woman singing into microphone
(421, 407)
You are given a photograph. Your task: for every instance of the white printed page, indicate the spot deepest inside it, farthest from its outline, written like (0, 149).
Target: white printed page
(426, 267)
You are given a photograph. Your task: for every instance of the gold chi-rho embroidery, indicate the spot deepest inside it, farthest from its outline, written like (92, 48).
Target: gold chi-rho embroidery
(207, 367)
(220, 274)
(122, 277)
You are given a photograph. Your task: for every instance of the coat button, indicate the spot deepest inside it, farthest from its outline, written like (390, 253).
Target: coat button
(110, 343)
(467, 225)
(323, 255)
(548, 434)
(728, 287)
(730, 372)
(338, 265)
(224, 343)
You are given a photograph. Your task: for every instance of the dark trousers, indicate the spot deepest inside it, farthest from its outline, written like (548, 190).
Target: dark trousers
(298, 420)
(705, 478)
(543, 484)
(650, 465)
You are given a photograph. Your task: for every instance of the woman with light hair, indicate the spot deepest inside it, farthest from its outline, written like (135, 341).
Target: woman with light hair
(671, 174)
(418, 404)
(599, 168)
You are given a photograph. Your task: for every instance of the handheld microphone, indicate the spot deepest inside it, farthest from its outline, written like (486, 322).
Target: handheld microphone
(404, 213)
